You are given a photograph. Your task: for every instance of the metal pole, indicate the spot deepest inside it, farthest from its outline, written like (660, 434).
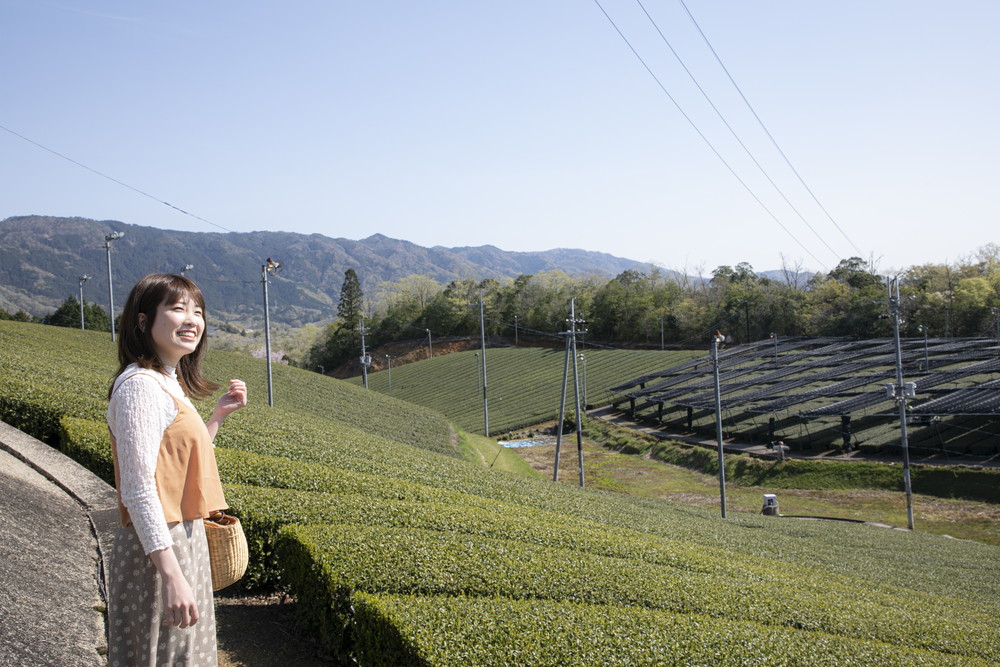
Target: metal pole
(901, 398)
(84, 278)
(661, 333)
(562, 407)
(718, 423)
(365, 359)
(113, 236)
(388, 361)
(267, 336)
(430, 349)
(583, 358)
(775, 337)
(515, 331)
(482, 345)
(576, 388)
(927, 364)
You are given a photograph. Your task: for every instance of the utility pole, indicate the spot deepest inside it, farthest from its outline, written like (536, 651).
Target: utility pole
(269, 267)
(430, 349)
(388, 361)
(900, 392)
(716, 339)
(84, 278)
(482, 346)
(571, 353)
(366, 359)
(113, 236)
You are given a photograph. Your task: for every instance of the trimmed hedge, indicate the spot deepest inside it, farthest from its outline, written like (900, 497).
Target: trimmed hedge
(392, 630)
(349, 558)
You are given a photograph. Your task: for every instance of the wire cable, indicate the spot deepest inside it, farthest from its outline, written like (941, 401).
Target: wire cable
(112, 179)
(725, 122)
(767, 132)
(703, 137)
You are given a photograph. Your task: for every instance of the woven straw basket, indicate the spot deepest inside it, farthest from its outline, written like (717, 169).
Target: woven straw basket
(227, 549)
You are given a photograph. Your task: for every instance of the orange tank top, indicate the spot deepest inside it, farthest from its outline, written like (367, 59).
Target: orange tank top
(187, 477)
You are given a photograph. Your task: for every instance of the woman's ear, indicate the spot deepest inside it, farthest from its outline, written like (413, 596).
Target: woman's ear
(142, 322)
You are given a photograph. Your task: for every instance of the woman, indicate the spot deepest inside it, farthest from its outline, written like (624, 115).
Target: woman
(160, 606)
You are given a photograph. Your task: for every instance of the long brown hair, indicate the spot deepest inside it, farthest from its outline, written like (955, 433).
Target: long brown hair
(135, 345)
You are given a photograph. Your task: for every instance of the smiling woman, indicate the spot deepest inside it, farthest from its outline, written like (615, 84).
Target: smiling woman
(160, 607)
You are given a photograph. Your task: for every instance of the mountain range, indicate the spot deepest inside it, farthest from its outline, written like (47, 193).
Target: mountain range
(43, 257)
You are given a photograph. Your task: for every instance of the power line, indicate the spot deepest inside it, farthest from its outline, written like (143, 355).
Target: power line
(767, 132)
(703, 137)
(112, 179)
(725, 122)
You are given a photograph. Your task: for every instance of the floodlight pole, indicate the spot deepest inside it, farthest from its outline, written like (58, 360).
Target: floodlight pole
(716, 339)
(84, 278)
(774, 337)
(900, 396)
(113, 236)
(927, 364)
(482, 346)
(270, 267)
(515, 331)
(388, 361)
(366, 359)
(430, 349)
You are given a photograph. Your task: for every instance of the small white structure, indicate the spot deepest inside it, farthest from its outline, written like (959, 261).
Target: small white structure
(770, 505)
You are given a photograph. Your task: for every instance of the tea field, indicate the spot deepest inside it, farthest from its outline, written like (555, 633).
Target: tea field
(402, 553)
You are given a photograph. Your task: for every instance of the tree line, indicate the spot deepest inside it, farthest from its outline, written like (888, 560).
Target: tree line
(650, 308)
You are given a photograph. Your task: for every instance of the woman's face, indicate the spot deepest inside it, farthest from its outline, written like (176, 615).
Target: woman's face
(177, 329)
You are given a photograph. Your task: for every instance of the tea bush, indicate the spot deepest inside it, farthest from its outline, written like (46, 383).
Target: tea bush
(395, 630)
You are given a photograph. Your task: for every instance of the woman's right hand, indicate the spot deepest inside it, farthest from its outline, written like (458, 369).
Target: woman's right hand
(179, 607)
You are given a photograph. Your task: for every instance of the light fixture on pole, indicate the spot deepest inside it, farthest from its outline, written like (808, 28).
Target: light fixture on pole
(482, 346)
(84, 278)
(113, 236)
(366, 359)
(927, 364)
(717, 338)
(273, 268)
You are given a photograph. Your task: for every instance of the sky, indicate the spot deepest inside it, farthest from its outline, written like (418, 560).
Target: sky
(523, 124)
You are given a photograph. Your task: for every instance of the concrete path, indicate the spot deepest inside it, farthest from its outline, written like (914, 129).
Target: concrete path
(56, 518)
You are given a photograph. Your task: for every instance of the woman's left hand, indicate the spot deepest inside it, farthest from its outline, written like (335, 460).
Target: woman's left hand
(232, 400)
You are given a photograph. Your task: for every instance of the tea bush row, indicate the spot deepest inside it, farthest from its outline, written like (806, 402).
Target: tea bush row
(391, 630)
(325, 564)
(524, 384)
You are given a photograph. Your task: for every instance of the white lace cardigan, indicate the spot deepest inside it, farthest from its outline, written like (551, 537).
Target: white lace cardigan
(138, 414)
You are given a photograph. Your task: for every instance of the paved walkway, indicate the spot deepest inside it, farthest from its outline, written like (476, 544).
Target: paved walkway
(56, 518)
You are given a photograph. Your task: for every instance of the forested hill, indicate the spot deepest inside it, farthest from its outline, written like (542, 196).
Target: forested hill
(42, 258)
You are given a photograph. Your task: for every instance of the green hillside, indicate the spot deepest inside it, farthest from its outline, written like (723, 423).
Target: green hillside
(401, 555)
(524, 384)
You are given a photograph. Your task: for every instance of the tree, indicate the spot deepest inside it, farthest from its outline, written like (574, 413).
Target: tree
(351, 304)
(68, 315)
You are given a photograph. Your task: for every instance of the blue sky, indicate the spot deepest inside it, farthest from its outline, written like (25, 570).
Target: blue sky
(525, 124)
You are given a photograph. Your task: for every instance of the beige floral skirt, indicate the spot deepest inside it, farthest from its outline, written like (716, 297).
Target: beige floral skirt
(136, 634)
